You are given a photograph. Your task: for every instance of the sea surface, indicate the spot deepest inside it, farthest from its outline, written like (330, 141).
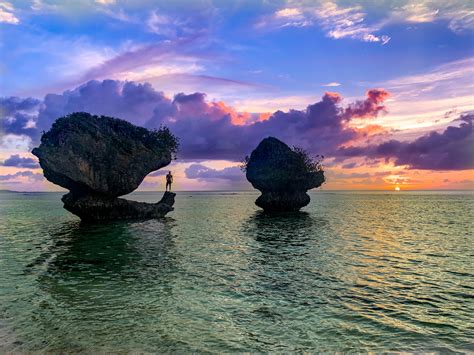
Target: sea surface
(354, 271)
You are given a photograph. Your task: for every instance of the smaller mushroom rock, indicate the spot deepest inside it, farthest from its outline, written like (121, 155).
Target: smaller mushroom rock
(282, 175)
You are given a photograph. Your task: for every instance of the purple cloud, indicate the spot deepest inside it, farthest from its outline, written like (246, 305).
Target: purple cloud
(450, 150)
(130, 101)
(349, 166)
(19, 162)
(31, 176)
(370, 107)
(202, 172)
(18, 115)
(212, 130)
(207, 129)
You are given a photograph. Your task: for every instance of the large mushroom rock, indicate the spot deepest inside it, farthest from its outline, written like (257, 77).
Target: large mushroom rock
(100, 158)
(282, 175)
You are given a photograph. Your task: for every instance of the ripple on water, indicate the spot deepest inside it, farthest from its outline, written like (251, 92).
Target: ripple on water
(354, 271)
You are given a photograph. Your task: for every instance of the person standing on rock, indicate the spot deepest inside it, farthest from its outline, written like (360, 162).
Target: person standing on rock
(169, 180)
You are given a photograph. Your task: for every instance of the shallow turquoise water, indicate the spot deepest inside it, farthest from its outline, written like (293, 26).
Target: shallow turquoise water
(354, 271)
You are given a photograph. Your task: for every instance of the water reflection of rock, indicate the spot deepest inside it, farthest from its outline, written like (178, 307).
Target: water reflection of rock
(287, 279)
(112, 253)
(289, 255)
(283, 235)
(117, 276)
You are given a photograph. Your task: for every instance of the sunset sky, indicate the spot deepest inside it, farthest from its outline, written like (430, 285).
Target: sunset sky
(383, 89)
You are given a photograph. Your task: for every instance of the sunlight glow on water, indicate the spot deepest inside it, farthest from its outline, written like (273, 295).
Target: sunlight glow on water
(354, 271)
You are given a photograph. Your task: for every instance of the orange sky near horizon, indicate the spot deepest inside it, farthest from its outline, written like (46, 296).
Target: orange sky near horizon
(379, 177)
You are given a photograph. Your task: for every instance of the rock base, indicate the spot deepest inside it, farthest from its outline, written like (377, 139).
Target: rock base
(101, 208)
(282, 201)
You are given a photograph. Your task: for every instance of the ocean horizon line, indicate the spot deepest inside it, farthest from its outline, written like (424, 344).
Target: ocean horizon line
(233, 190)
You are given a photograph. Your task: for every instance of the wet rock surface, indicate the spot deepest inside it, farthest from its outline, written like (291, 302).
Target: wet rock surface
(99, 158)
(282, 175)
(101, 208)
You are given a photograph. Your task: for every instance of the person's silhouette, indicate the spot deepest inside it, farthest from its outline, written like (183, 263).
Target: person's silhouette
(169, 180)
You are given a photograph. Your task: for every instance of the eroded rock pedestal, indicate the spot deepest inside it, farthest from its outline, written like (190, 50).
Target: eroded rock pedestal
(282, 176)
(100, 158)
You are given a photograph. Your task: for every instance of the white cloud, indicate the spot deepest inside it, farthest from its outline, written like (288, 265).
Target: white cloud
(431, 98)
(336, 21)
(350, 21)
(286, 17)
(7, 13)
(341, 22)
(13, 142)
(459, 69)
(458, 13)
(147, 73)
(161, 24)
(105, 2)
(289, 12)
(80, 57)
(332, 84)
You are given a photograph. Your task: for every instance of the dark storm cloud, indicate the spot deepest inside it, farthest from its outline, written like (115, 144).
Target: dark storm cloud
(453, 149)
(19, 162)
(202, 172)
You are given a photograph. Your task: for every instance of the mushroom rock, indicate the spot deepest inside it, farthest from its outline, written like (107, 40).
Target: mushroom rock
(282, 175)
(99, 158)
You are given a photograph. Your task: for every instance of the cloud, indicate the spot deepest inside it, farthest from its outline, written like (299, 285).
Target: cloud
(285, 17)
(332, 84)
(17, 115)
(128, 100)
(30, 175)
(370, 107)
(448, 72)
(213, 86)
(351, 21)
(214, 130)
(208, 130)
(336, 21)
(75, 62)
(288, 13)
(105, 2)
(459, 14)
(202, 172)
(349, 165)
(7, 13)
(162, 24)
(145, 56)
(347, 22)
(16, 142)
(450, 150)
(19, 162)
(431, 98)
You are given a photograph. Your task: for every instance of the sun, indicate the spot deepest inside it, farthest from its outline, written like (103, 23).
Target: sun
(397, 188)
